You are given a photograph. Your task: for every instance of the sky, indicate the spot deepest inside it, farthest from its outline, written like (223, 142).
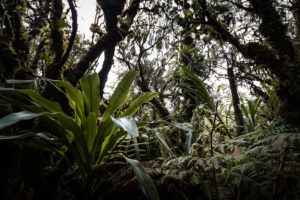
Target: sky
(86, 10)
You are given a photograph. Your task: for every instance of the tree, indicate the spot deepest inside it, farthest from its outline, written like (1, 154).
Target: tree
(266, 32)
(235, 101)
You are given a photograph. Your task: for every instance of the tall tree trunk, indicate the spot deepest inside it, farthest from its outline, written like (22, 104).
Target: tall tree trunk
(235, 102)
(187, 60)
(108, 62)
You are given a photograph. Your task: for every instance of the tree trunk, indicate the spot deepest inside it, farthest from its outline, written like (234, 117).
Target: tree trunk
(235, 102)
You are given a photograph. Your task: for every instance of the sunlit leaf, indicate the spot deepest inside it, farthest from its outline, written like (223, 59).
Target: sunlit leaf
(13, 81)
(120, 94)
(145, 182)
(135, 105)
(75, 98)
(163, 142)
(91, 130)
(126, 124)
(16, 137)
(49, 105)
(90, 86)
(17, 117)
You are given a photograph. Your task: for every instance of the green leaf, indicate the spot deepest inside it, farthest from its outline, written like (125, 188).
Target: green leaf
(106, 137)
(16, 117)
(49, 105)
(13, 81)
(189, 141)
(145, 182)
(198, 88)
(16, 137)
(163, 142)
(91, 130)
(69, 124)
(90, 86)
(75, 99)
(182, 127)
(126, 124)
(134, 106)
(14, 97)
(120, 94)
(61, 23)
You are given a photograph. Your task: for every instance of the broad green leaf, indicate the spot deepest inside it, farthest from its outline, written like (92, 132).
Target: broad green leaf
(16, 117)
(44, 144)
(161, 122)
(75, 99)
(21, 95)
(71, 127)
(126, 124)
(91, 130)
(13, 97)
(182, 127)
(134, 106)
(163, 142)
(13, 81)
(105, 130)
(104, 149)
(68, 123)
(198, 88)
(106, 138)
(145, 182)
(16, 137)
(189, 141)
(49, 105)
(120, 94)
(91, 93)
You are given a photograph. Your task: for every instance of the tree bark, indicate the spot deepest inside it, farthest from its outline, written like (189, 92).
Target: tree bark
(235, 102)
(111, 37)
(163, 111)
(108, 62)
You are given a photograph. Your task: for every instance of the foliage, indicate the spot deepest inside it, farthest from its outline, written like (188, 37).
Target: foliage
(185, 148)
(86, 135)
(251, 113)
(258, 165)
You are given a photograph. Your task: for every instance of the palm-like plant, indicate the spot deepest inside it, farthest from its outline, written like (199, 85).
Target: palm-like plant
(86, 135)
(251, 112)
(197, 89)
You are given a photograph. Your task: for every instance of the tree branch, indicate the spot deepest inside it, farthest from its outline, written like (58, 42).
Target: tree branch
(272, 27)
(53, 71)
(110, 38)
(73, 34)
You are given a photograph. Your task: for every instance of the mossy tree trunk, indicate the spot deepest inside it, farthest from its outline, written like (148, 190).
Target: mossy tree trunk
(235, 102)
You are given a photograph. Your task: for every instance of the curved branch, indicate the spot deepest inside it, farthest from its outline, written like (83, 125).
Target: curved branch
(53, 71)
(108, 62)
(73, 34)
(56, 34)
(112, 37)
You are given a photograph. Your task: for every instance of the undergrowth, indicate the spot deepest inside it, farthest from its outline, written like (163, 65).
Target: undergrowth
(262, 164)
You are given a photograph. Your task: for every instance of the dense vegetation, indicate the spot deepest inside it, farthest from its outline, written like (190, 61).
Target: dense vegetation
(170, 128)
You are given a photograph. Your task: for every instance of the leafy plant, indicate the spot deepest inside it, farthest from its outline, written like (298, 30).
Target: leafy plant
(86, 135)
(197, 89)
(251, 113)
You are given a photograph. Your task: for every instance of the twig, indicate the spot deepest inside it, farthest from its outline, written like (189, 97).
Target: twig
(212, 153)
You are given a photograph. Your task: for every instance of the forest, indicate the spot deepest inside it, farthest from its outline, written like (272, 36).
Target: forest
(168, 99)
